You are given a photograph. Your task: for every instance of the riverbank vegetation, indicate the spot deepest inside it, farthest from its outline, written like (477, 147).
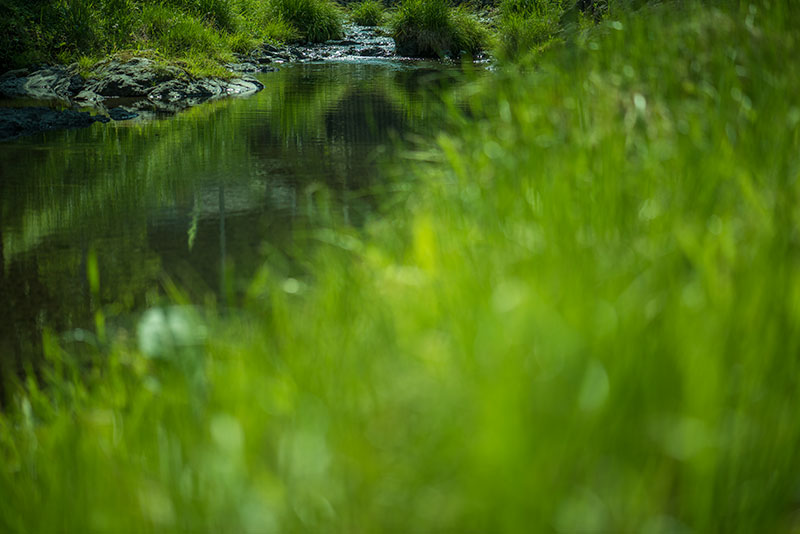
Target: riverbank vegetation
(201, 32)
(316, 20)
(434, 28)
(204, 34)
(577, 312)
(368, 13)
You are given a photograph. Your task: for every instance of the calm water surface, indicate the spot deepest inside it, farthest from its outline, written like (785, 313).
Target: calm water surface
(198, 199)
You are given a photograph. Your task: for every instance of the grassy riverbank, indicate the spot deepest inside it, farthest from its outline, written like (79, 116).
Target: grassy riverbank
(202, 33)
(579, 314)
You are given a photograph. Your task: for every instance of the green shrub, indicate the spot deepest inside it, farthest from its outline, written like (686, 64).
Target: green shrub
(368, 13)
(431, 28)
(315, 20)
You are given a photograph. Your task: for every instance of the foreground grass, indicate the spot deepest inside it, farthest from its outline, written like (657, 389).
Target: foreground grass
(581, 317)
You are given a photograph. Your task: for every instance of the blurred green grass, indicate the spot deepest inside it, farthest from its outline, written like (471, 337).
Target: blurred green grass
(583, 315)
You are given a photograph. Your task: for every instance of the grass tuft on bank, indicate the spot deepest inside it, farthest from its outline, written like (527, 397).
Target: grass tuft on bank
(527, 25)
(581, 316)
(316, 20)
(368, 13)
(433, 28)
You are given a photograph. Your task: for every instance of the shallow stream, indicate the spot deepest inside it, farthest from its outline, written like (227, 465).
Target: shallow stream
(197, 199)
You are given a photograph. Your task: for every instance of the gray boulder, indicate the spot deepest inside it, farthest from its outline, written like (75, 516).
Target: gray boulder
(49, 83)
(183, 89)
(146, 84)
(133, 78)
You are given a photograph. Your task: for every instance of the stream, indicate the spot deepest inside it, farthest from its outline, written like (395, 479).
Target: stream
(196, 199)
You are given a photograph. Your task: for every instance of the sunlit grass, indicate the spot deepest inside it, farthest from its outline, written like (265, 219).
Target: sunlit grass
(582, 316)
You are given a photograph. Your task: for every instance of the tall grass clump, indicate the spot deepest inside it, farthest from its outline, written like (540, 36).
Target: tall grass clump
(433, 28)
(260, 21)
(316, 21)
(368, 13)
(187, 35)
(581, 316)
(526, 25)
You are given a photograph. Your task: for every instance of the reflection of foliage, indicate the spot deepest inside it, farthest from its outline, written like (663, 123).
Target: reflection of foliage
(130, 166)
(350, 107)
(305, 97)
(96, 186)
(122, 186)
(156, 163)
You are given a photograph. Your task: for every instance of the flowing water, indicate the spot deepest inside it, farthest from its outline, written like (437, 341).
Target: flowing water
(198, 199)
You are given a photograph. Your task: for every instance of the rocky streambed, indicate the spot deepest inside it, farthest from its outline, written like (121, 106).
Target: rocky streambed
(360, 43)
(126, 88)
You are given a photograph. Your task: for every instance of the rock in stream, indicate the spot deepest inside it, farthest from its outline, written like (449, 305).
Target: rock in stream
(149, 84)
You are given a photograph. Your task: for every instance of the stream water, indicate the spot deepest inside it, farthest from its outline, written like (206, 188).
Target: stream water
(197, 198)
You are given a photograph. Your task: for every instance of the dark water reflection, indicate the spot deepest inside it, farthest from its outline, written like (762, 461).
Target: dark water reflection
(177, 199)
